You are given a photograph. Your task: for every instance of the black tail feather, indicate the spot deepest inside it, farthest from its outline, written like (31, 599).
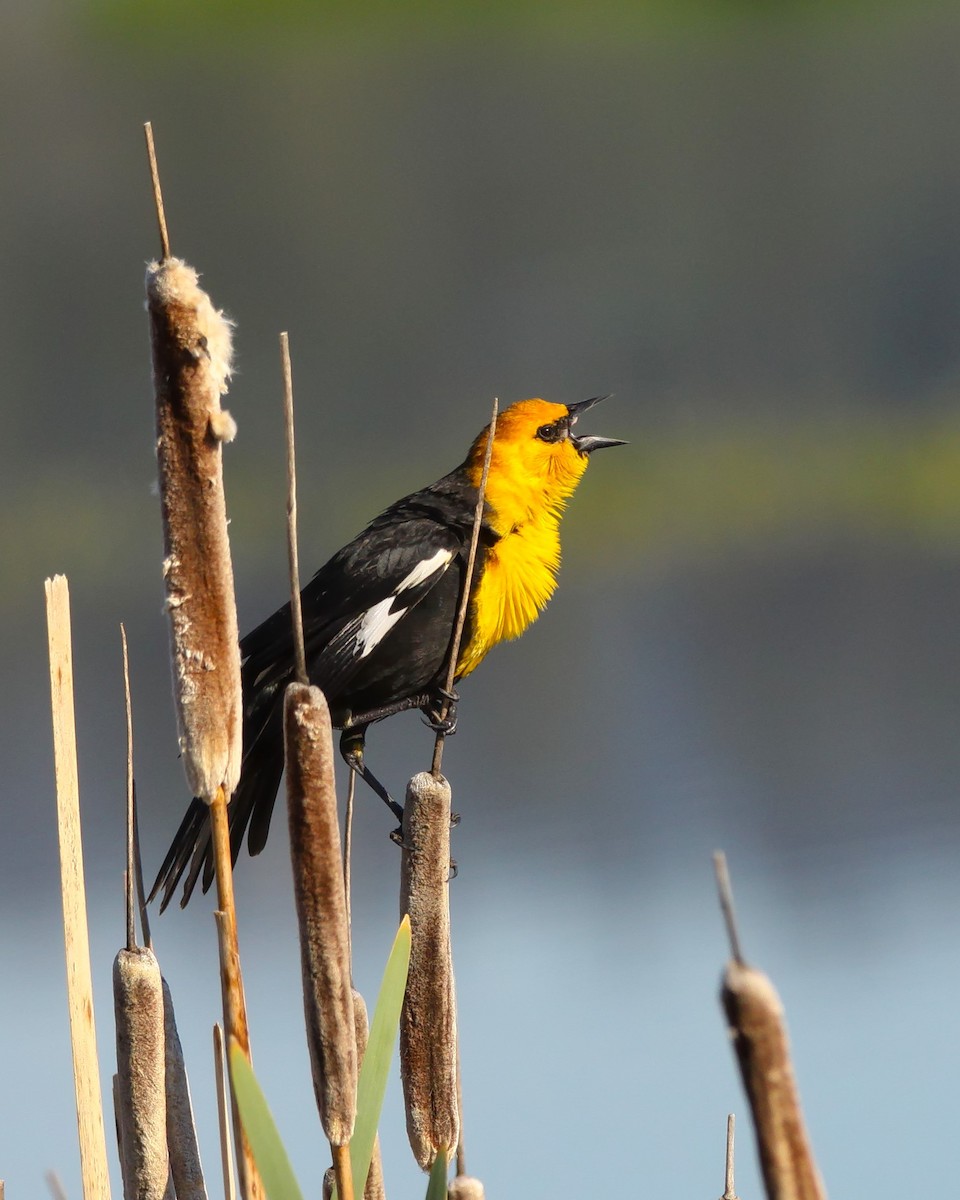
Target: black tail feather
(251, 804)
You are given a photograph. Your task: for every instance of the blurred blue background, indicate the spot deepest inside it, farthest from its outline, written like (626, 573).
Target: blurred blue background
(741, 218)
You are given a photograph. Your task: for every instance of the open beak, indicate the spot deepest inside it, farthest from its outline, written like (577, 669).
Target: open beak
(586, 444)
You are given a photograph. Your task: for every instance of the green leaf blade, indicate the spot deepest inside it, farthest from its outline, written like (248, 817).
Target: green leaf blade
(437, 1187)
(271, 1158)
(379, 1055)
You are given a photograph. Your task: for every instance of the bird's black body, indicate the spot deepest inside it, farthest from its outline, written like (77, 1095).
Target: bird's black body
(405, 670)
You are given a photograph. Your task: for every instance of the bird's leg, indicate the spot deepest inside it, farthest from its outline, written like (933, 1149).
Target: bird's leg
(351, 747)
(433, 717)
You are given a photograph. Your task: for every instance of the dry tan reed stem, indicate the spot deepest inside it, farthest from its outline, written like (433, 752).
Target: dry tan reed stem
(293, 557)
(468, 579)
(191, 365)
(374, 1189)
(342, 1171)
(223, 1103)
(464, 1187)
(231, 991)
(428, 1021)
(185, 1165)
(157, 193)
(321, 909)
(131, 873)
(729, 1188)
(93, 1146)
(756, 1020)
(138, 1012)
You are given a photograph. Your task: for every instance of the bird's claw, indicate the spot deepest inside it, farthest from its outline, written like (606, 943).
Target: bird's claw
(446, 725)
(440, 714)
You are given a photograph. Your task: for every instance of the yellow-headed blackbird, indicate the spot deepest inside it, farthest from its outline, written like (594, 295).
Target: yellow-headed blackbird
(379, 617)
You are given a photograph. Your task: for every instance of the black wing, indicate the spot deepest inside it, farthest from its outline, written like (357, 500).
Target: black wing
(361, 645)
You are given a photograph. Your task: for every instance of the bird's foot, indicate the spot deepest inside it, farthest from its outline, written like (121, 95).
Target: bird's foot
(440, 714)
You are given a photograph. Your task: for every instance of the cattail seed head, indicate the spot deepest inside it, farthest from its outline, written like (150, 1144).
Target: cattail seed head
(465, 1187)
(757, 1027)
(321, 909)
(428, 1022)
(191, 344)
(138, 1010)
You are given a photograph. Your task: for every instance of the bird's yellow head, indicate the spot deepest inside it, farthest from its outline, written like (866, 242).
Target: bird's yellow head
(537, 459)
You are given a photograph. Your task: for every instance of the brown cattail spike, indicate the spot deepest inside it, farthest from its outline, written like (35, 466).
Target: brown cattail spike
(191, 365)
(321, 909)
(138, 1009)
(428, 1022)
(755, 1016)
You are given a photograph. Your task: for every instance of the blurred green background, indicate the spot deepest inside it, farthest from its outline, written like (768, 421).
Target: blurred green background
(741, 218)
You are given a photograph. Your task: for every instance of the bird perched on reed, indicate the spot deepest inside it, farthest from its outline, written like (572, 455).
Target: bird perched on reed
(379, 617)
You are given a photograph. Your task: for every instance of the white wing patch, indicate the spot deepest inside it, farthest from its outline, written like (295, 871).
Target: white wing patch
(378, 620)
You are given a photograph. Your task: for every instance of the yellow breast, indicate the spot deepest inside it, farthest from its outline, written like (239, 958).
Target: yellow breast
(519, 577)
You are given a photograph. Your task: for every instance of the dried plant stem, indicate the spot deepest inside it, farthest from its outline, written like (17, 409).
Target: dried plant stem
(157, 193)
(729, 1188)
(725, 892)
(138, 873)
(296, 613)
(467, 582)
(343, 1172)
(130, 881)
(93, 1145)
(428, 1022)
(231, 980)
(138, 1012)
(348, 851)
(226, 1155)
(461, 1148)
(185, 1166)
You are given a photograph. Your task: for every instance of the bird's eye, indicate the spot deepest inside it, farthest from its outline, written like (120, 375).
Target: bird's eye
(549, 433)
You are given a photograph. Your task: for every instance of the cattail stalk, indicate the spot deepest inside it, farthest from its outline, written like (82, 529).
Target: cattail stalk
(321, 909)
(428, 1022)
(86, 1076)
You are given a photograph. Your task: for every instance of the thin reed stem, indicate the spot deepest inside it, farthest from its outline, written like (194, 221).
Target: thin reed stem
(157, 193)
(296, 613)
(467, 583)
(86, 1073)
